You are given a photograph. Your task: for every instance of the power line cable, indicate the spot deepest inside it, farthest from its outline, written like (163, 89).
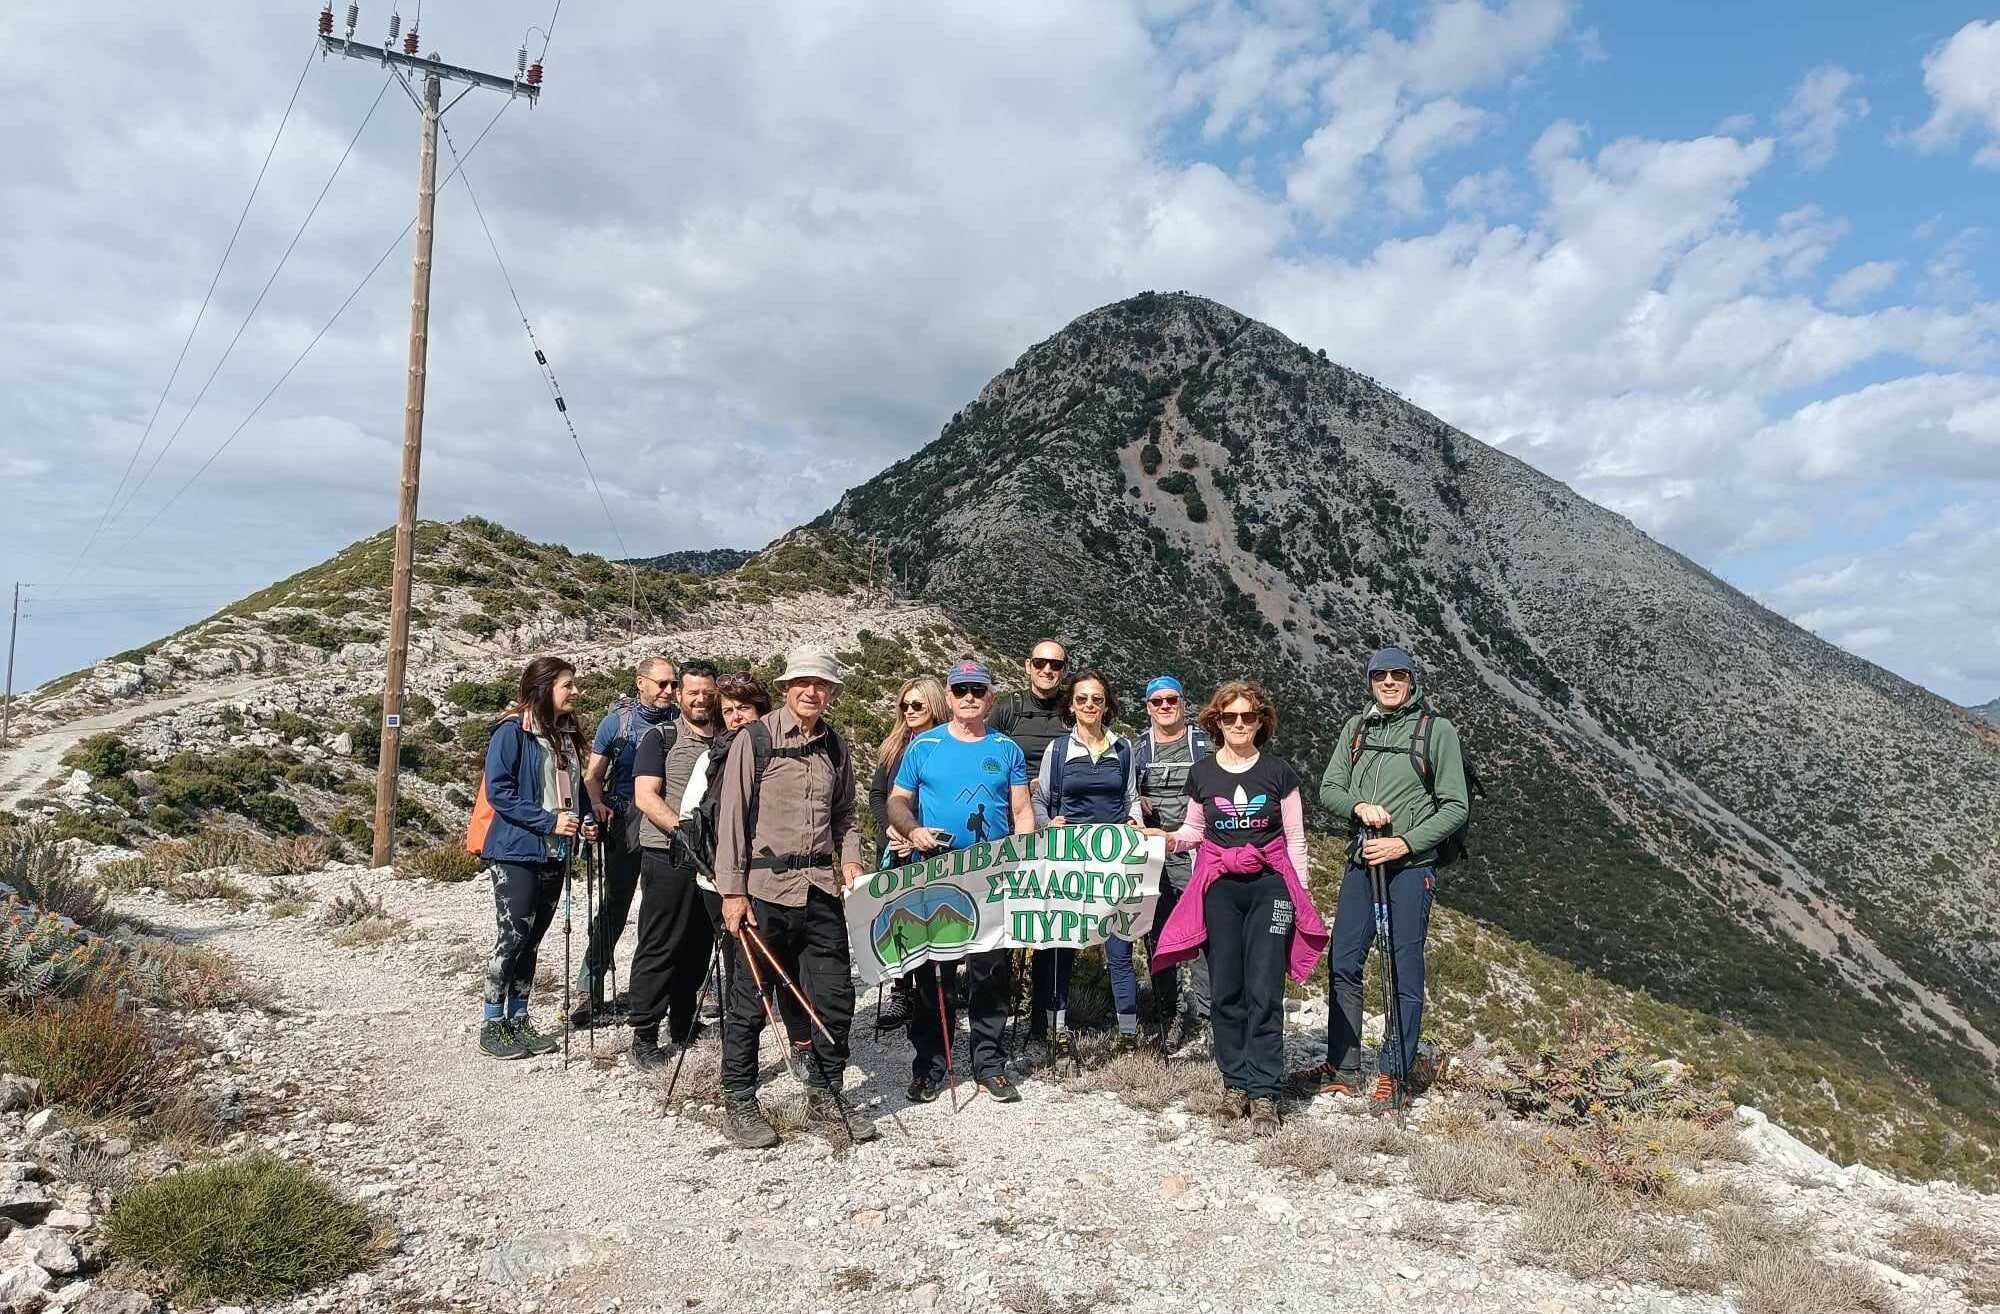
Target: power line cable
(188, 341)
(240, 328)
(548, 370)
(300, 358)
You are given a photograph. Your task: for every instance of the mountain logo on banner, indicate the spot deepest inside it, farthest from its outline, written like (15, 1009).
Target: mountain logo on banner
(936, 915)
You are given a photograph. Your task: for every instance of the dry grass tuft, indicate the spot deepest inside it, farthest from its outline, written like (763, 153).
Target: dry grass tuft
(1147, 1081)
(1487, 1169)
(700, 1081)
(1031, 1297)
(1575, 1228)
(192, 977)
(448, 863)
(184, 1122)
(1796, 1281)
(1381, 1136)
(1312, 1150)
(1936, 1244)
(370, 931)
(1427, 1225)
(88, 1054)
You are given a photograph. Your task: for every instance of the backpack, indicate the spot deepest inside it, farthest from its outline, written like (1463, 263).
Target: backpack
(1121, 746)
(1453, 846)
(699, 828)
(481, 820)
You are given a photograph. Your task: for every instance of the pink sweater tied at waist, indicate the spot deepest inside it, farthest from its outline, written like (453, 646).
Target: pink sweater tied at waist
(1186, 930)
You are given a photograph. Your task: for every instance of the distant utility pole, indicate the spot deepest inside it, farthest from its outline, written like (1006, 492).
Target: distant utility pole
(526, 81)
(13, 628)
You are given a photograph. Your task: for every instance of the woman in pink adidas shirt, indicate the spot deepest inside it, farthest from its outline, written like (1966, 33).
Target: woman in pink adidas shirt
(1246, 907)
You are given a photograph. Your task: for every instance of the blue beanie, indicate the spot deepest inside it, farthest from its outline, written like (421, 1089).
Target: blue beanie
(1164, 684)
(1393, 659)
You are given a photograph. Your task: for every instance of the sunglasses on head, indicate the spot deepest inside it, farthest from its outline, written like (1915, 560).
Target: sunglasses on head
(1384, 677)
(968, 691)
(1164, 700)
(1238, 718)
(1048, 663)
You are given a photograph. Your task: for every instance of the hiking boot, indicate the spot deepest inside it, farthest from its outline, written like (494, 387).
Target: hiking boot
(895, 1010)
(693, 1034)
(1127, 1042)
(531, 1041)
(1193, 1033)
(647, 1056)
(924, 1089)
(822, 1105)
(1002, 1088)
(744, 1123)
(799, 1058)
(588, 1016)
(1235, 1104)
(1263, 1117)
(497, 1039)
(1387, 1096)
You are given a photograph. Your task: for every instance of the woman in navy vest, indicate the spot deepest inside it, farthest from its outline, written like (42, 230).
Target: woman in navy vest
(1087, 776)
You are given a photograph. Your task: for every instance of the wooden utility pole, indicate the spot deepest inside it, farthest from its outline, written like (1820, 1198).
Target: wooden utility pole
(13, 628)
(526, 82)
(387, 763)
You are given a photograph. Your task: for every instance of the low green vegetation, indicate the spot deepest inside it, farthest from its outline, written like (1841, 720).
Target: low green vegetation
(258, 1228)
(88, 1054)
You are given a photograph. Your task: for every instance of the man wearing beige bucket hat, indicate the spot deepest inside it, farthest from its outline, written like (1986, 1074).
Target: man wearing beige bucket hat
(786, 848)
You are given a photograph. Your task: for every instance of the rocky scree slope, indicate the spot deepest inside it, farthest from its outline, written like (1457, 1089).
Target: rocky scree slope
(294, 753)
(1687, 793)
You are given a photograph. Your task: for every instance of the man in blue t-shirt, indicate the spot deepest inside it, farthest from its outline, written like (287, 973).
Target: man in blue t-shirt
(608, 778)
(960, 783)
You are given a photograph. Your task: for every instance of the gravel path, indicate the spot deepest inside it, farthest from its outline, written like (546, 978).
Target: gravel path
(35, 760)
(519, 1186)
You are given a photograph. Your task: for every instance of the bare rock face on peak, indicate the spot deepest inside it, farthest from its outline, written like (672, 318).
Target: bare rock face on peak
(1686, 792)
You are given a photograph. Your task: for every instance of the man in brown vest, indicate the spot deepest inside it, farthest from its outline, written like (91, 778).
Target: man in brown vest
(786, 849)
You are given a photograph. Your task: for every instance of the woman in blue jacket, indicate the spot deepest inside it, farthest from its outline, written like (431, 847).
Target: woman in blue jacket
(534, 781)
(1088, 776)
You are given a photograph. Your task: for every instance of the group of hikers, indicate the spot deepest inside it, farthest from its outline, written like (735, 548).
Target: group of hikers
(733, 818)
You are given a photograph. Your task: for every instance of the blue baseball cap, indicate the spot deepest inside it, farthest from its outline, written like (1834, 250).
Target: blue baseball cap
(1393, 659)
(1164, 684)
(968, 670)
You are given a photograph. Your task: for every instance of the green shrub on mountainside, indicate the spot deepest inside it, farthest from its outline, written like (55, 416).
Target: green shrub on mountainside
(104, 756)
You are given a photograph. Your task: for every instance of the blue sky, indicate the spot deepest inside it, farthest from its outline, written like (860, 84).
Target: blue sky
(1725, 268)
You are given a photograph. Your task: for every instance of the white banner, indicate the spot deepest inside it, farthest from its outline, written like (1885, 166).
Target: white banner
(1065, 887)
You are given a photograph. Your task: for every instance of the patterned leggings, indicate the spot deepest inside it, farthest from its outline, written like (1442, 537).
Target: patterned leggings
(524, 904)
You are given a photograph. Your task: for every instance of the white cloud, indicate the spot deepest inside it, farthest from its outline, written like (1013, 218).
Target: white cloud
(1822, 106)
(1861, 282)
(1962, 76)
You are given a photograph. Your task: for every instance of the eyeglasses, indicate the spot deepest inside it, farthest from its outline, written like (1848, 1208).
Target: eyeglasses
(1387, 677)
(1239, 718)
(1164, 700)
(1048, 663)
(1088, 700)
(968, 691)
(916, 705)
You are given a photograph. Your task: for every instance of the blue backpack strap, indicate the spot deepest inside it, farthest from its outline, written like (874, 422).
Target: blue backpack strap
(1058, 751)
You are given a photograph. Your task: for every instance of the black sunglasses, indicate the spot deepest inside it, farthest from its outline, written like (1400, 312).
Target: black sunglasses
(1383, 677)
(968, 691)
(1048, 663)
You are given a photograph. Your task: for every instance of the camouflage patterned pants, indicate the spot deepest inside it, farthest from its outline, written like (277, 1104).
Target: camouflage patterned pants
(525, 896)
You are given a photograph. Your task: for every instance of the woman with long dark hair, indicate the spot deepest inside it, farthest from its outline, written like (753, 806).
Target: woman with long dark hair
(1087, 776)
(1246, 906)
(534, 784)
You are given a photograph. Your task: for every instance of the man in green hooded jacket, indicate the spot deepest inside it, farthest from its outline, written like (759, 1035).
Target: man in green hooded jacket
(1375, 781)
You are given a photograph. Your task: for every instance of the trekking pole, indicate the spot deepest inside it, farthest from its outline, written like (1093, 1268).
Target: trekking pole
(590, 938)
(756, 942)
(1392, 1027)
(714, 965)
(567, 1026)
(944, 1029)
(610, 950)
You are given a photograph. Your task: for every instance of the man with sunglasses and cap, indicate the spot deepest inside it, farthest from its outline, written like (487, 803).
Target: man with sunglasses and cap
(1377, 779)
(786, 849)
(1032, 718)
(1163, 759)
(957, 783)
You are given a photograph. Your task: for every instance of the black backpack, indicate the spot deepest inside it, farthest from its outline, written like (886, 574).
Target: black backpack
(1453, 846)
(699, 828)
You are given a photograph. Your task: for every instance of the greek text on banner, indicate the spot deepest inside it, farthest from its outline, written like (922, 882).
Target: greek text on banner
(1065, 887)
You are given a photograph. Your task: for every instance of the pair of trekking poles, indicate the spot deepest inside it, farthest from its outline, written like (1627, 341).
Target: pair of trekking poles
(594, 868)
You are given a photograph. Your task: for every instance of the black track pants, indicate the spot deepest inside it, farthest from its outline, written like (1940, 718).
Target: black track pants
(672, 954)
(1249, 922)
